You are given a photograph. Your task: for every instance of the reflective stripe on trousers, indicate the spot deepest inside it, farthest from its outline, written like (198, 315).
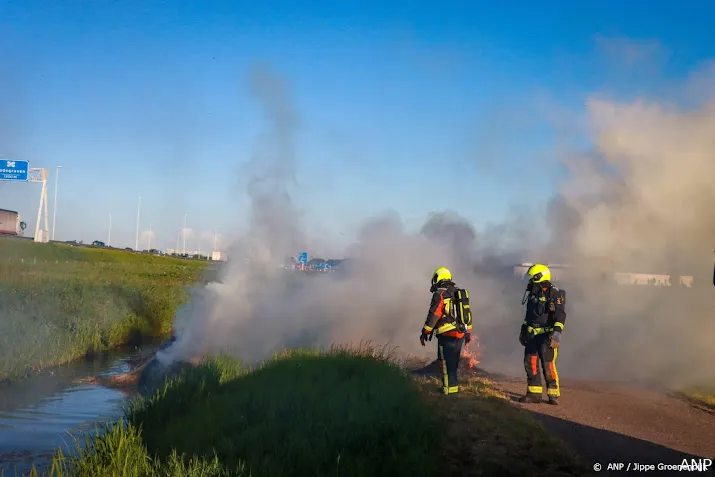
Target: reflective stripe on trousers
(449, 350)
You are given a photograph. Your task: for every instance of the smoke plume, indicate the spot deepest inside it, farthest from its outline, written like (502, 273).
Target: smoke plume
(640, 201)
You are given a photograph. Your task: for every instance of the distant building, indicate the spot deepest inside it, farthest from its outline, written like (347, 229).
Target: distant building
(560, 272)
(654, 279)
(622, 278)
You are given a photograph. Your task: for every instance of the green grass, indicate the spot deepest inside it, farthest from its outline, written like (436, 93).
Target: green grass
(340, 412)
(334, 413)
(60, 302)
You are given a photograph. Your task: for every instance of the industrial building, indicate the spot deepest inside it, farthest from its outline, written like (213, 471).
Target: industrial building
(560, 272)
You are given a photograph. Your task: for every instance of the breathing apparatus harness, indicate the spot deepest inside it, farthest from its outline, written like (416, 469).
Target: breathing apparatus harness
(535, 292)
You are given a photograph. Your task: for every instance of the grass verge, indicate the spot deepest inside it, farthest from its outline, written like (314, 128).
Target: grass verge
(488, 436)
(704, 397)
(336, 413)
(60, 303)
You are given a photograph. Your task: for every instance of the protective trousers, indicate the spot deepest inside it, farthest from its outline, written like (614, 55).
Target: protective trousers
(449, 350)
(538, 349)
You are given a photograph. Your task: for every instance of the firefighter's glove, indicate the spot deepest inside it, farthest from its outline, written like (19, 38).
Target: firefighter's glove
(467, 337)
(555, 339)
(425, 336)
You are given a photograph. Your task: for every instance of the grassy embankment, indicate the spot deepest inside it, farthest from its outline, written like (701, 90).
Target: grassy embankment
(700, 396)
(60, 302)
(332, 413)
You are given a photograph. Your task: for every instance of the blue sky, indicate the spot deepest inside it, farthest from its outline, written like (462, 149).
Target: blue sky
(151, 99)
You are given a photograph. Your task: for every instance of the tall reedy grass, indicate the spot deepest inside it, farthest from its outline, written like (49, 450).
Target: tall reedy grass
(60, 303)
(334, 412)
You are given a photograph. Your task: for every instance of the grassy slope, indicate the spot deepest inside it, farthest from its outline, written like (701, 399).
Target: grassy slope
(701, 396)
(60, 302)
(340, 413)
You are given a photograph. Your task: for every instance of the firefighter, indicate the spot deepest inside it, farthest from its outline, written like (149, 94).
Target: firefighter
(541, 334)
(452, 331)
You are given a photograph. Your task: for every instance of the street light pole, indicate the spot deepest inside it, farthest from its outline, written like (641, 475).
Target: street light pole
(184, 235)
(148, 247)
(109, 234)
(139, 207)
(54, 213)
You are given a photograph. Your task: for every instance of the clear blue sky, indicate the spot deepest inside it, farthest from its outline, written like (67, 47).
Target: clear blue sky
(151, 98)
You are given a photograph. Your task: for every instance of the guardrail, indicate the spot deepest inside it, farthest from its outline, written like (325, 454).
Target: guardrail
(57, 261)
(204, 258)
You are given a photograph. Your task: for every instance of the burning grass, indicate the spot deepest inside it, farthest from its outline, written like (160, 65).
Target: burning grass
(704, 397)
(61, 303)
(470, 356)
(337, 412)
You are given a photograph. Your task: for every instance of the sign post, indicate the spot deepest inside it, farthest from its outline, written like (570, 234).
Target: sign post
(42, 234)
(20, 171)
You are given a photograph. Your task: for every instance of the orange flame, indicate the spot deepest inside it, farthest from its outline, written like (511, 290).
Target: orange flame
(471, 357)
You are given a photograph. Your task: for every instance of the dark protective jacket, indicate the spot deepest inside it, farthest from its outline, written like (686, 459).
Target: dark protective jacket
(545, 310)
(437, 319)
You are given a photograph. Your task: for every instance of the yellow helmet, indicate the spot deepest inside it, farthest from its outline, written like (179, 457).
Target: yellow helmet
(441, 274)
(539, 273)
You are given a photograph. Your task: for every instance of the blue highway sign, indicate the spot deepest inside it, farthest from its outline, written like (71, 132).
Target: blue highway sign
(14, 170)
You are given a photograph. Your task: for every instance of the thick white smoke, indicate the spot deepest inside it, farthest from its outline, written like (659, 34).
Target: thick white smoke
(642, 201)
(649, 209)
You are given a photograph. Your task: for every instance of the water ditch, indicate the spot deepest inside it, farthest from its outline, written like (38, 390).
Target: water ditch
(54, 408)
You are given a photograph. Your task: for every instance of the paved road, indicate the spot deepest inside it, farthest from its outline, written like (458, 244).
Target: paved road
(607, 422)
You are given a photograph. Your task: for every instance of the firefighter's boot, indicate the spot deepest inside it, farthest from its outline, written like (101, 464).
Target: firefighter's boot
(530, 398)
(554, 400)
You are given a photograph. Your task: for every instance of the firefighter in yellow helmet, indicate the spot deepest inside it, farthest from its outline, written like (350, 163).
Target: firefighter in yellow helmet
(541, 334)
(450, 318)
